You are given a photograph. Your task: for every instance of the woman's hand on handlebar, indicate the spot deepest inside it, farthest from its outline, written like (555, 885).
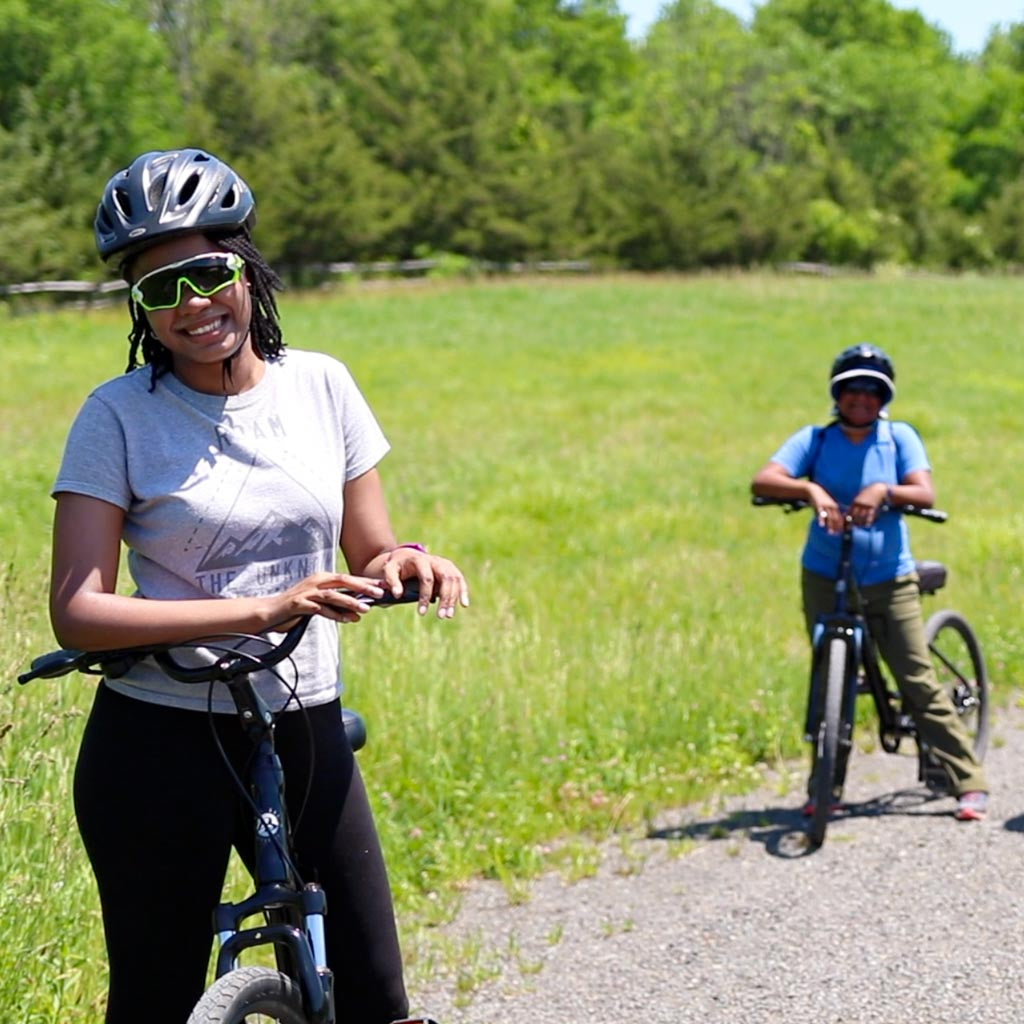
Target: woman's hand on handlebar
(439, 578)
(826, 509)
(864, 508)
(335, 595)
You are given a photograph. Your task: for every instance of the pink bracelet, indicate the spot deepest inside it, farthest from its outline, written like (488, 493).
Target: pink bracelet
(415, 547)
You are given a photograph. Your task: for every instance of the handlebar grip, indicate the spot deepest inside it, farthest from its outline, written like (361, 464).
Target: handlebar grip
(52, 665)
(934, 515)
(410, 595)
(790, 504)
(112, 663)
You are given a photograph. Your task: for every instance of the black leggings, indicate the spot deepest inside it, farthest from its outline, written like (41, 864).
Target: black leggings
(159, 814)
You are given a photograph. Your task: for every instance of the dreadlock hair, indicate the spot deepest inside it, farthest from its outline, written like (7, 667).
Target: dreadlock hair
(264, 327)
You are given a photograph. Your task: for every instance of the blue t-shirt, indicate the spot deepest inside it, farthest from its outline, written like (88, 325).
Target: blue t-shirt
(881, 552)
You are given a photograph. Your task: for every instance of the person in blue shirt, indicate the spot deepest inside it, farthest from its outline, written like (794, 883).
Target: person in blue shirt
(854, 467)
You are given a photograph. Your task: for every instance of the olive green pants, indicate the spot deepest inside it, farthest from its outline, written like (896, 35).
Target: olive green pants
(893, 614)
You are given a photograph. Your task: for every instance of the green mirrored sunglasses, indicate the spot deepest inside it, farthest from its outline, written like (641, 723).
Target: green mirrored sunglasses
(206, 274)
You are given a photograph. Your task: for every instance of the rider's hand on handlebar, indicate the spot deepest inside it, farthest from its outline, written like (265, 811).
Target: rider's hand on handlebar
(826, 509)
(439, 578)
(864, 508)
(334, 595)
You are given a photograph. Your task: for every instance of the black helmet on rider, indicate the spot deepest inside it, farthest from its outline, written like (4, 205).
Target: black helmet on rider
(864, 364)
(164, 194)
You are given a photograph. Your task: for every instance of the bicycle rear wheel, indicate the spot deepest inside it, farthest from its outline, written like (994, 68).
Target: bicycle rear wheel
(250, 995)
(960, 668)
(833, 673)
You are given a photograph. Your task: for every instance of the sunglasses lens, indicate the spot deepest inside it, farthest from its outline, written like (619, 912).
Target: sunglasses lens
(160, 291)
(863, 387)
(205, 275)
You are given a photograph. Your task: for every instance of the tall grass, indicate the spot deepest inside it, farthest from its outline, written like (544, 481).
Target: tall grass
(583, 449)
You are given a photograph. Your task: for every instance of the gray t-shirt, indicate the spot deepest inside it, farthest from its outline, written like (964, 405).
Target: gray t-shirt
(228, 496)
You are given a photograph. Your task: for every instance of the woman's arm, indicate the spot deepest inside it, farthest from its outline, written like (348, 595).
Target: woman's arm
(915, 488)
(88, 614)
(370, 548)
(773, 480)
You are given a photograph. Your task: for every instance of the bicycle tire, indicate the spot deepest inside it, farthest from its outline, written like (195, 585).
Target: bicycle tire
(960, 669)
(251, 995)
(833, 671)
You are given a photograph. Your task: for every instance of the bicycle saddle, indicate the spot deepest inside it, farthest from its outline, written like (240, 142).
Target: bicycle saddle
(932, 576)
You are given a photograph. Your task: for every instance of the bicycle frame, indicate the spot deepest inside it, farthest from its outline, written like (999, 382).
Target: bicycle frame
(848, 624)
(294, 917)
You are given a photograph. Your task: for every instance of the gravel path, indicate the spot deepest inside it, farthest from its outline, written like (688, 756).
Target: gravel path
(904, 915)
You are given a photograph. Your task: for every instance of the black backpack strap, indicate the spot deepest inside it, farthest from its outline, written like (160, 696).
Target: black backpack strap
(816, 442)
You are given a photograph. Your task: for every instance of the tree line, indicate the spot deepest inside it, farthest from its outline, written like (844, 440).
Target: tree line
(510, 130)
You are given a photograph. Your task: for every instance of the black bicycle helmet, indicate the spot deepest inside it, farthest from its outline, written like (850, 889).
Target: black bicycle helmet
(865, 362)
(163, 194)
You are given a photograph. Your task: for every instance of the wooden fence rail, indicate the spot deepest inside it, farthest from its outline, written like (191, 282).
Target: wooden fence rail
(97, 293)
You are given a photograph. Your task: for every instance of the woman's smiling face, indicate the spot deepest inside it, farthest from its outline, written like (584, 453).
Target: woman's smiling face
(859, 403)
(202, 331)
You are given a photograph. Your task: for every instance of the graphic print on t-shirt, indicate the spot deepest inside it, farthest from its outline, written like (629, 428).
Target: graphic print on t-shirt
(285, 545)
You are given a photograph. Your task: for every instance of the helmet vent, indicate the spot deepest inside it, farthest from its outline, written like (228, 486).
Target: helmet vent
(188, 190)
(123, 201)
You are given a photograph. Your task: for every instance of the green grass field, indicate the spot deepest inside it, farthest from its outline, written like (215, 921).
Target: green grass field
(583, 449)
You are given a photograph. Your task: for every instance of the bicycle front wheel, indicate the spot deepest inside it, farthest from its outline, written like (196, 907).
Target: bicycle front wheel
(833, 672)
(250, 995)
(960, 668)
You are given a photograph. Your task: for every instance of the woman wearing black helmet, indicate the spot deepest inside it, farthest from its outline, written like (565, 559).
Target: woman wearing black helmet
(230, 469)
(852, 467)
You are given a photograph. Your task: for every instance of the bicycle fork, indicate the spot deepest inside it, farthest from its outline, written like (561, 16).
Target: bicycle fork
(831, 666)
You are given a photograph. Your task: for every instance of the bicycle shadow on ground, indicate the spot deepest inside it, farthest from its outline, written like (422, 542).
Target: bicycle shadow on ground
(783, 830)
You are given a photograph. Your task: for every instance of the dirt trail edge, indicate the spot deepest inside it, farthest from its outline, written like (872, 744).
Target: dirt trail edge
(905, 916)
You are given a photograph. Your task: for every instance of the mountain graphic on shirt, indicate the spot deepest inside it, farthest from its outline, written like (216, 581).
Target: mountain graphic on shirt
(274, 539)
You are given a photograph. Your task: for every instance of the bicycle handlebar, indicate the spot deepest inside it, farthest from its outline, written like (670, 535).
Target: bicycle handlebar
(229, 665)
(933, 515)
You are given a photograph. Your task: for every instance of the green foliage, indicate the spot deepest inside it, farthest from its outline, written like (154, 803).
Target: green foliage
(875, 23)
(29, 226)
(75, 109)
(507, 131)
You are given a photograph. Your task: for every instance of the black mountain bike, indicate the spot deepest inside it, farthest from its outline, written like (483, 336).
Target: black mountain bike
(845, 664)
(301, 989)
